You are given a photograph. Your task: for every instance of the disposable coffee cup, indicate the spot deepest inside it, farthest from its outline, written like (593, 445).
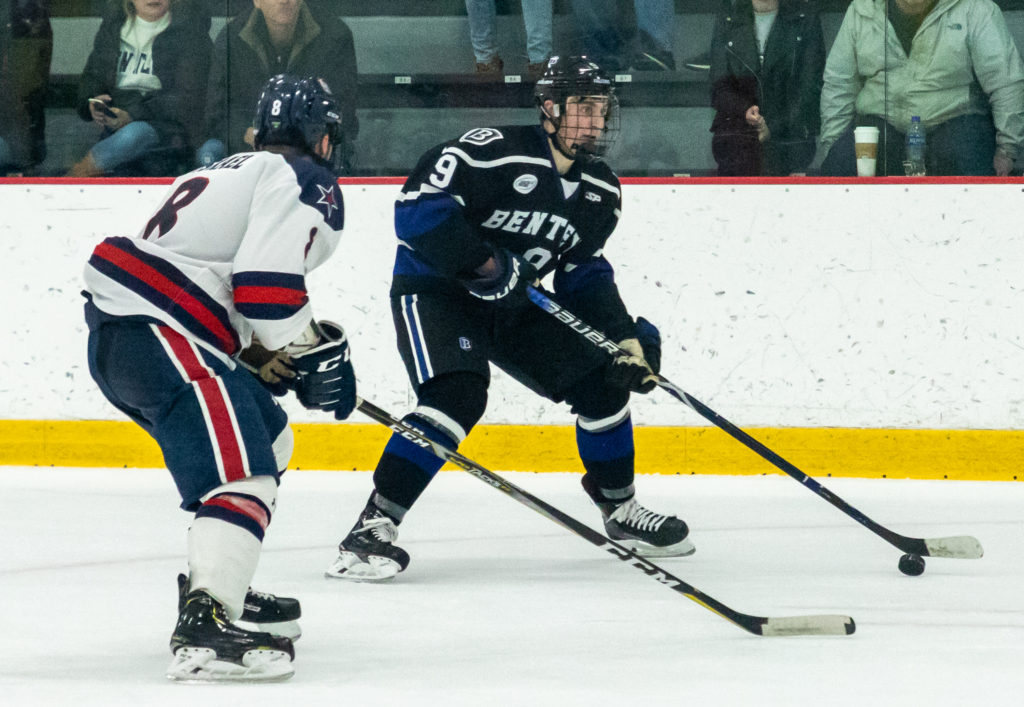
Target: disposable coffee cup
(865, 141)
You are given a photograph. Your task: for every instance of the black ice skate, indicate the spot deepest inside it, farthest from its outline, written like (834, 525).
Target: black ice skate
(640, 529)
(261, 611)
(367, 553)
(209, 648)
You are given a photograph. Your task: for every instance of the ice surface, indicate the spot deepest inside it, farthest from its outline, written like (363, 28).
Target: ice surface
(500, 606)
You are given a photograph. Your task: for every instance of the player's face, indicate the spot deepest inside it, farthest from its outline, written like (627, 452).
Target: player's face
(584, 122)
(279, 12)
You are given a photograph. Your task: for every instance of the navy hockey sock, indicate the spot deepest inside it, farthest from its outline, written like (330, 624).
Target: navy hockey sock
(405, 469)
(606, 449)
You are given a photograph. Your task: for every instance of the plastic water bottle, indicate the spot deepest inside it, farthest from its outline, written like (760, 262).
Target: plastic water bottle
(914, 165)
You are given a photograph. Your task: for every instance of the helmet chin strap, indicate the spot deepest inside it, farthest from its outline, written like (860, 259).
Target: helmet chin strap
(555, 138)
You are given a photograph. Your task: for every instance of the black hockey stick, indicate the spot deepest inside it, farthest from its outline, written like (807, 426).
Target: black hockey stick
(823, 625)
(961, 546)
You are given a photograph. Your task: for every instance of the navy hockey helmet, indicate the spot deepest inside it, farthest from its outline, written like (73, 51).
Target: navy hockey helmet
(588, 130)
(298, 112)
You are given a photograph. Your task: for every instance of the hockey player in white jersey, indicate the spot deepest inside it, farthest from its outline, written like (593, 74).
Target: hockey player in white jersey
(216, 277)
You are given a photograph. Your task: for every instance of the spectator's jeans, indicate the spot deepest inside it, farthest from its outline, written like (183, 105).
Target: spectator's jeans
(603, 39)
(962, 146)
(213, 150)
(126, 145)
(536, 17)
(658, 19)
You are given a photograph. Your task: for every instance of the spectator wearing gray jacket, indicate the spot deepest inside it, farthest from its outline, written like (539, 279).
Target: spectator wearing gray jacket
(953, 63)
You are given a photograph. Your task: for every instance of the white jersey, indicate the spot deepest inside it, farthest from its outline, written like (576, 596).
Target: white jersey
(226, 255)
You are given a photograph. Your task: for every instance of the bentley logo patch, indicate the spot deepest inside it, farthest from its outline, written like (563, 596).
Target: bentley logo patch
(481, 136)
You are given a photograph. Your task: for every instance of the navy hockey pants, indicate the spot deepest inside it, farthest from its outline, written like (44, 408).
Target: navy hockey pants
(214, 424)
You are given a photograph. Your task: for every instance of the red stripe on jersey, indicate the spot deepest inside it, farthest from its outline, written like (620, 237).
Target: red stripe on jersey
(270, 295)
(166, 287)
(217, 406)
(250, 509)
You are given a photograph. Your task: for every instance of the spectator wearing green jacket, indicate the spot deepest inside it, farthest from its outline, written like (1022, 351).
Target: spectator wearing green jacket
(951, 62)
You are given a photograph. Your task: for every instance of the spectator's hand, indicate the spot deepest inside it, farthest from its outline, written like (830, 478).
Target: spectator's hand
(122, 119)
(250, 137)
(755, 119)
(1002, 164)
(97, 114)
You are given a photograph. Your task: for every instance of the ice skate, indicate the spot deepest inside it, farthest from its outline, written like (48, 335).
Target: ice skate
(640, 529)
(261, 611)
(367, 553)
(209, 648)
(648, 533)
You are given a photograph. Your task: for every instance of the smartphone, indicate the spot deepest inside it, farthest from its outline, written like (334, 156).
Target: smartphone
(104, 108)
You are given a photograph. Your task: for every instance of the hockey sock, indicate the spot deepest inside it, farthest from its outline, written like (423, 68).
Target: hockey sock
(606, 449)
(225, 539)
(449, 406)
(405, 468)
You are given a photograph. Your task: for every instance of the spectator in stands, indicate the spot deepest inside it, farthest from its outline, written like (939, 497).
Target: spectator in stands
(951, 62)
(767, 57)
(482, 20)
(26, 47)
(144, 85)
(606, 38)
(276, 37)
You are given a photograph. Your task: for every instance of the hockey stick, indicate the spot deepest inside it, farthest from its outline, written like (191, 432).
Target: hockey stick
(960, 546)
(823, 625)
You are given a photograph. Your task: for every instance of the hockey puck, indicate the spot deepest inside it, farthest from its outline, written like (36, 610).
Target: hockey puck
(912, 565)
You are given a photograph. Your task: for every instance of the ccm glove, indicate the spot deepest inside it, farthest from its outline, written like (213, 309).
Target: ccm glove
(325, 379)
(636, 366)
(507, 287)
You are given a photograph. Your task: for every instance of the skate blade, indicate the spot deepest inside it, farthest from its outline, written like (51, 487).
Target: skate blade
(683, 548)
(355, 569)
(287, 629)
(193, 664)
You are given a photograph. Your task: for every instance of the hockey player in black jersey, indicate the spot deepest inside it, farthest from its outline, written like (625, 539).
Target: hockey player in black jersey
(479, 219)
(214, 279)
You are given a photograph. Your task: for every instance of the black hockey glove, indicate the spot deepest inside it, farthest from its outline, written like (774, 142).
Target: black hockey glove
(507, 288)
(325, 379)
(636, 366)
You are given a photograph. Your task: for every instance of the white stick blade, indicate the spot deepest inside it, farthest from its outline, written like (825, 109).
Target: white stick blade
(962, 546)
(824, 625)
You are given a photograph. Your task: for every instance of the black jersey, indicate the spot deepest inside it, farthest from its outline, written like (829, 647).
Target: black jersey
(499, 188)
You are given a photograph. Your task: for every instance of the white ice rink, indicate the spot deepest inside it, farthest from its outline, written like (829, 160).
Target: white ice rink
(500, 606)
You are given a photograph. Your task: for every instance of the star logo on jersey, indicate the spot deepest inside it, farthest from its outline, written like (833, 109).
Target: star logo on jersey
(327, 199)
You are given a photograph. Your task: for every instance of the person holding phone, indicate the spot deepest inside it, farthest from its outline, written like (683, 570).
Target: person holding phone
(144, 86)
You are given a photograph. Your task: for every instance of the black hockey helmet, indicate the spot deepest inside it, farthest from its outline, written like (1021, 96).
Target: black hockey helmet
(298, 112)
(577, 77)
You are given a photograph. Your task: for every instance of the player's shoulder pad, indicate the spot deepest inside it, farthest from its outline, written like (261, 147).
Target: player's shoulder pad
(600, 177)
(318, 187)
(493, 143)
